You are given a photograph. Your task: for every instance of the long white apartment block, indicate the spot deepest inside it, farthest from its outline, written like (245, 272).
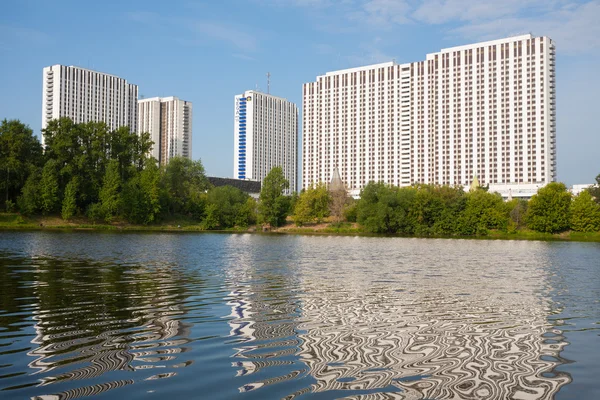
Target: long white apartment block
(85, 95)
(265, 136)
(486, 109)
(169, 122)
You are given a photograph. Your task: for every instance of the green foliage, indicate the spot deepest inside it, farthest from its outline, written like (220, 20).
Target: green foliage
(585, 213)
(385, 209)
(312, 204)
(141, 196)
(595, 190)
(20, 156)
(517, 213)
(69, 203)
(548, 210)
(110, 193)
(248, 213)
(351, 210)
(227, 207)
(273, 206)
(95, 212)
(85, 150)
(49, 188)
(483, 211)
(435, 210)
(9, 206)
(184, 179)
(30, 200)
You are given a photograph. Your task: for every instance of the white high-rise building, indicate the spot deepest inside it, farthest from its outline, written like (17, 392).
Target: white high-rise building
(485, 110)
(84, 95)
(265, 136)
(169, 122)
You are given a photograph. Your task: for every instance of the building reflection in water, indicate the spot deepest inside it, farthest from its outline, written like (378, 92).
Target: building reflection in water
(375, 332)
(93, 319)
(263, 319)
(460, 327)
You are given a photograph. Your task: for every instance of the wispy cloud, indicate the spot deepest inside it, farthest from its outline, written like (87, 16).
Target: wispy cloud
(369, 52)
(566, 21)
(575, 28)
(382, 13)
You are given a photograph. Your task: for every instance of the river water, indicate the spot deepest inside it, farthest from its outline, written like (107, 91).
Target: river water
(251, 316)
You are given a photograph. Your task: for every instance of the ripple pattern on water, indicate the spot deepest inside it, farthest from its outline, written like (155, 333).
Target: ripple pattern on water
(252, 317)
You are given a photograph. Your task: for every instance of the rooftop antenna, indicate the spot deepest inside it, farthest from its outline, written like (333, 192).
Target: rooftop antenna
(268, 83)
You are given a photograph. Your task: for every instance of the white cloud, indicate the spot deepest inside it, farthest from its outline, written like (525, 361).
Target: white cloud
(573, 24)
(442, 11)
(369, 53)
(574, 28)
(382, 13)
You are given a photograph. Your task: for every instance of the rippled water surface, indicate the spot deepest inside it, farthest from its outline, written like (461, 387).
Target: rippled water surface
(227, 316)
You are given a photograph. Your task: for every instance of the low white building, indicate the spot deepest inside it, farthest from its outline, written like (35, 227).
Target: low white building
(576, 189)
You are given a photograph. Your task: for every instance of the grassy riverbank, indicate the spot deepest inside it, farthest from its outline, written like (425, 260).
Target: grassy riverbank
(13, 221)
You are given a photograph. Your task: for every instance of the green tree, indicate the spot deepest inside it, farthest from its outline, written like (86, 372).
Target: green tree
(312, 204)
(350, 210)
(230, 206)
(517, 213)
(247, 214)
(548, 210)
(595, 190)
(84, 151)
(273, 206)
(585, 213)
(20, 156)
(141, 196)
(110, 193)
(184, 179)
(436, 209)
(386, 209)
(211, 221)
(29, 202)
(69, 203)
(49, 189)
(483, 211)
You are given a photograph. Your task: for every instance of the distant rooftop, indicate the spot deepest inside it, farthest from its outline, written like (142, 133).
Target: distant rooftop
(246, 186)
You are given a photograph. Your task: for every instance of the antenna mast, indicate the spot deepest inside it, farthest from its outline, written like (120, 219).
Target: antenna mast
(268, 83)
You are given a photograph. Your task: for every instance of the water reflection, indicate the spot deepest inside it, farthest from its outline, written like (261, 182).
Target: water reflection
(264, 313)
(91, 319)
(252, 317)
(409, 330)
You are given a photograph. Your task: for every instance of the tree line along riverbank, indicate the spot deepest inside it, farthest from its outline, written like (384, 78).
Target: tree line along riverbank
(89, 177)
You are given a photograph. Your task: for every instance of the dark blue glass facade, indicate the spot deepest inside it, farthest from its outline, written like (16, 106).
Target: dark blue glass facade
(242, 143)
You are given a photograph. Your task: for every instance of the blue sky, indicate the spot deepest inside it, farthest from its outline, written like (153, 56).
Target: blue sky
(208, 51)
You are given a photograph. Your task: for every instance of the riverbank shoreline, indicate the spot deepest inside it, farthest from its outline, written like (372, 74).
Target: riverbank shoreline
(17, 222)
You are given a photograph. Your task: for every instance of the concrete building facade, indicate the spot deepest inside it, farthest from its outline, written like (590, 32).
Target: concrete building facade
(265, 136)
(485, 110)
(169, 122)
(85, 95)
